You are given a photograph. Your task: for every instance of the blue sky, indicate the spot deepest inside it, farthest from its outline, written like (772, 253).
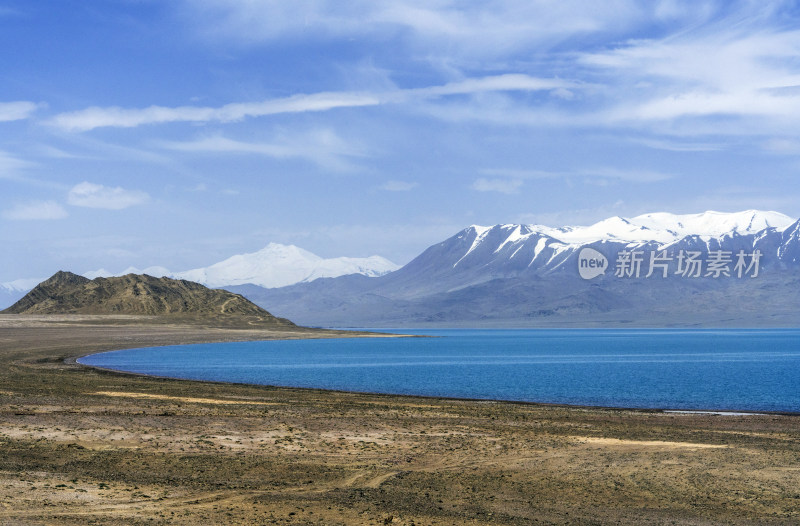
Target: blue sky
(137, 132)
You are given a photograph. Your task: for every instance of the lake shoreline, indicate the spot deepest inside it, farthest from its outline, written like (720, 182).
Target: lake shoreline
(627, 369)
(80, 445)
(707, 411)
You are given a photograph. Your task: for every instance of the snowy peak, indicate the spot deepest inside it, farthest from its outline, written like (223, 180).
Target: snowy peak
(20, 285)
(510, 249)
(789, 249)
(275, 265)
(661, 227)
(714, 224)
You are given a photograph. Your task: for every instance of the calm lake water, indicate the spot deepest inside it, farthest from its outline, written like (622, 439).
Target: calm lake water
(735, 370)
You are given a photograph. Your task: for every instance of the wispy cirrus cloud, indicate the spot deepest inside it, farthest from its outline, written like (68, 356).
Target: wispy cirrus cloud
(677, 146)
(507, 82)
(323, 147)
(10, 165)
(100, 117)
(741, 63)
(664, 81)
(627, 175)
(16, 111)
(443, 27)
(92, 195)
(35, 211)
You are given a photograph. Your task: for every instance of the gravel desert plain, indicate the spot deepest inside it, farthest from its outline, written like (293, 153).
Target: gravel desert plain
(85, 446)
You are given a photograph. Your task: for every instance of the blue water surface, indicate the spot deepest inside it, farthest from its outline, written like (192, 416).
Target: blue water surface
(730, 369)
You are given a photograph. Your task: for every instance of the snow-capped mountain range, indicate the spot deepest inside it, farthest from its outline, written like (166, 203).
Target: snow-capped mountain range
(543, 248)
(661, 227)
(528, 273)
(491, 272)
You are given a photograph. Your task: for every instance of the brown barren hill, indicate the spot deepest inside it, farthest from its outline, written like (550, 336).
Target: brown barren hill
(68, 293)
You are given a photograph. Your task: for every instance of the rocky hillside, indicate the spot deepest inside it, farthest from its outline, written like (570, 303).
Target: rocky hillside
(68, 293)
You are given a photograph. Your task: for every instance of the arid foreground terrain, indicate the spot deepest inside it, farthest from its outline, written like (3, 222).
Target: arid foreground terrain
(81, 446)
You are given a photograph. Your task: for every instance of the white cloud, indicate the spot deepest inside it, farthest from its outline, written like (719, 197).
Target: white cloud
(628, 175)
(15, 169)
(439, 27)
(97, 117)
(562, 93)
(219, 144)
(740, 63)
(398, 186)
(36, 210)
(504, 186)
(738, 103)
(92, 195)
(703, 60)
(507, 82)
(322, 146)
(15, 111)
(10, 165)
(678, 146)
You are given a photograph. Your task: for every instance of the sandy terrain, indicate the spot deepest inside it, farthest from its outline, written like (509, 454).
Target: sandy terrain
(81, 446)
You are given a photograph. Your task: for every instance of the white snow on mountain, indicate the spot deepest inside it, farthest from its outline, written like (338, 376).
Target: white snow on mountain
(372, 266)
(661, 227)
(12, 291)
(275, 265)
(555, 244)
(20, 285)
(279, 265)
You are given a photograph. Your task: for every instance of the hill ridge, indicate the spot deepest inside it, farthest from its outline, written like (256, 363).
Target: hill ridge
(137, 294)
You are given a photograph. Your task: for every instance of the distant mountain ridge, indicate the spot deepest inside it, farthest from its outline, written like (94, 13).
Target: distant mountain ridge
(68, 293)
(279, 265)
(528, 275)
(505, 250)
(275, 265)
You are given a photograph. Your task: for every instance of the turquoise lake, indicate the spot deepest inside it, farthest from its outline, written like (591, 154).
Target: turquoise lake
(723, 370)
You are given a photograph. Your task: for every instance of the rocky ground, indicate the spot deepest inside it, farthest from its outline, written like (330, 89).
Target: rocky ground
(82, 446)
